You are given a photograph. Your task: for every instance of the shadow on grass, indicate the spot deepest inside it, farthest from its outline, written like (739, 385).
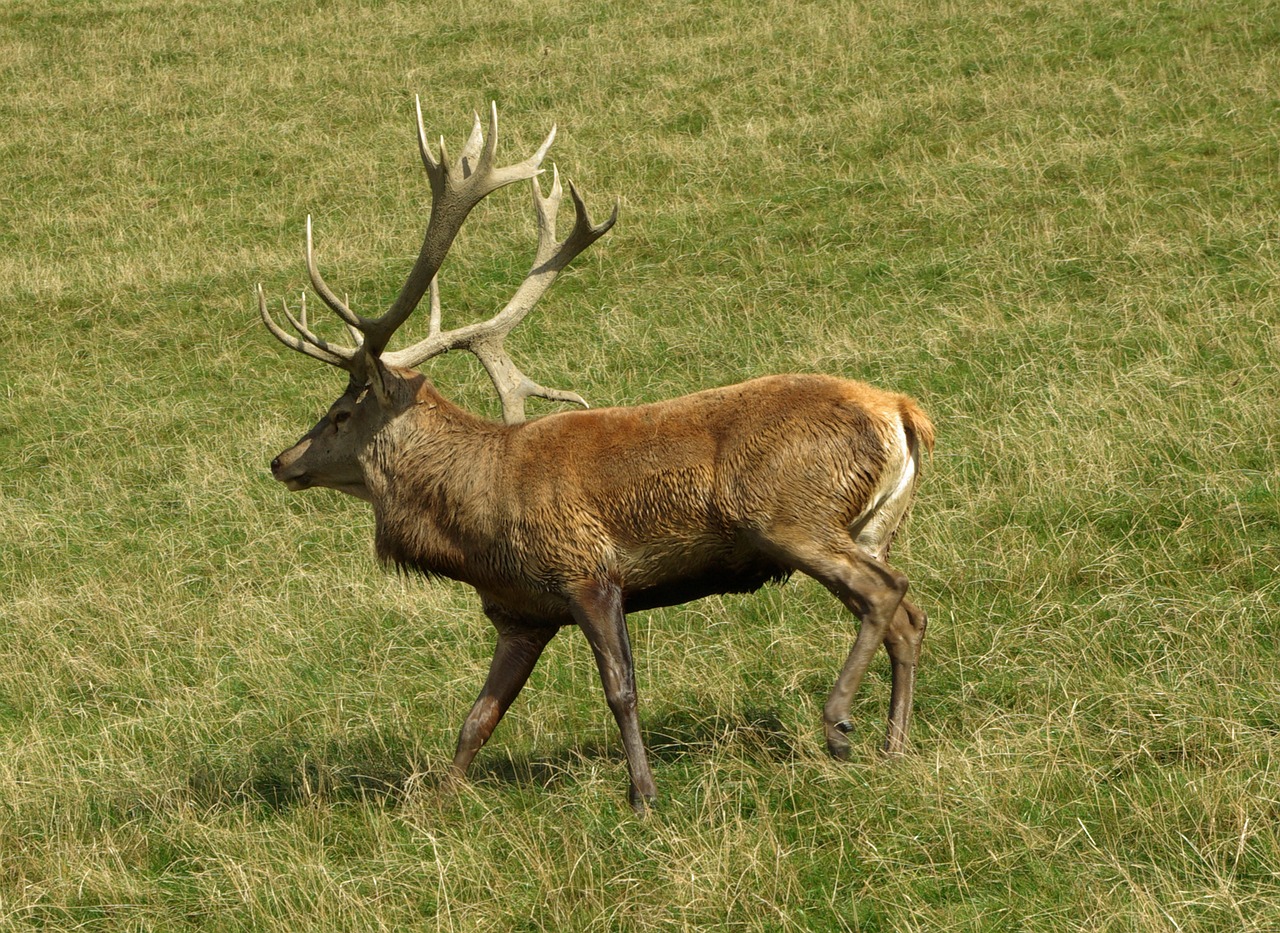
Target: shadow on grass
(755, 734)
(376, 769)
(283, 772)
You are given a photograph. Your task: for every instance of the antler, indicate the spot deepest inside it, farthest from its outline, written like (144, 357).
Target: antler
(485, 339)
(456, 189)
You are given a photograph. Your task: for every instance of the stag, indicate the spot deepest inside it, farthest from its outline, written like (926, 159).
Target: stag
(583, 516)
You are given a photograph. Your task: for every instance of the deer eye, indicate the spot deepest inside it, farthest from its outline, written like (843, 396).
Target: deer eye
(340, 417)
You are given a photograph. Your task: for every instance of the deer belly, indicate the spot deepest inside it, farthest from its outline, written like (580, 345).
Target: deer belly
(696, 581)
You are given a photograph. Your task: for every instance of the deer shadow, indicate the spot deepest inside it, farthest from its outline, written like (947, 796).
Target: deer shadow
(755, 734)
(284, 773)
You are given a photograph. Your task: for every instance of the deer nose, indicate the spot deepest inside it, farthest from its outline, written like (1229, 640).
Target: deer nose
(275, 465)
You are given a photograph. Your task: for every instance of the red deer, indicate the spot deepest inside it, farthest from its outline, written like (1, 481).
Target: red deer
(580, 517)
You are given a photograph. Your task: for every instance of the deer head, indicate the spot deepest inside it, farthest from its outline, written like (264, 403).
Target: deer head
(382, 384)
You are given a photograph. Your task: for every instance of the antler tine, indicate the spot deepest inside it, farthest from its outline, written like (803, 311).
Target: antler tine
(551, 257)
(585, 233)
(433, 327)
(529, 168)
(300, 325)
(475, 149)
(514, 386)
(308, 343)
(424, 148)
(322, 289)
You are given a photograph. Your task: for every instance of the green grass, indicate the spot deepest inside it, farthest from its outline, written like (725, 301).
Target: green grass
(1055, 223)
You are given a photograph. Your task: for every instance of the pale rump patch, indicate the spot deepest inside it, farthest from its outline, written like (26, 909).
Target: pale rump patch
(874, 529)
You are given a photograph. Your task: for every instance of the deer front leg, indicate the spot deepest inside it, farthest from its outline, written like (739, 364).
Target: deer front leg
(598, 611)
(514, 657)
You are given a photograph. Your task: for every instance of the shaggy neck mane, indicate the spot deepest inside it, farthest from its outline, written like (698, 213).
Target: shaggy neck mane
(433, 510)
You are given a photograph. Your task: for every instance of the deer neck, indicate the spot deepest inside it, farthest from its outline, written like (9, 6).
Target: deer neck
(433, 478)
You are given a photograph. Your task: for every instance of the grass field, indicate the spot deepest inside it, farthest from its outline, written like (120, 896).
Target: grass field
(1055, 223)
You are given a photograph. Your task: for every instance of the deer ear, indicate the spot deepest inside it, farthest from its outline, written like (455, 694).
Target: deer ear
(375, 377)
(378, 381)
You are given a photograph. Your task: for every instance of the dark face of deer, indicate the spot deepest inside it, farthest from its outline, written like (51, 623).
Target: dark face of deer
(330, 453)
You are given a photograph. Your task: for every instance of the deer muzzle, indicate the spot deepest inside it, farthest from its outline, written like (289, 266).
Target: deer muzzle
(287, 473)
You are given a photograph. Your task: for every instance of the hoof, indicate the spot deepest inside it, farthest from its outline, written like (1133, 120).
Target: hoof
(837, 744)
(642, 804)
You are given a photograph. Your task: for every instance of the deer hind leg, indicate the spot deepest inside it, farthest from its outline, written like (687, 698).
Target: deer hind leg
(873, 591)
(514, 657)
(903, 642)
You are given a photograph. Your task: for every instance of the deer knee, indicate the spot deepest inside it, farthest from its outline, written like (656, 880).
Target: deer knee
(895, 581)
(916, 618)
(620, 693)
(906, 634)
(910, 621)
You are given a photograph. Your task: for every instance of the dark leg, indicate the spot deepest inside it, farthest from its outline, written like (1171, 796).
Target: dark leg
(598, 611)
(873, 591)
(903, 642)
(517, 651)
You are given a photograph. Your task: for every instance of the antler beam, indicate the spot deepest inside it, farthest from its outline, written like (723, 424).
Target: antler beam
(485, 338)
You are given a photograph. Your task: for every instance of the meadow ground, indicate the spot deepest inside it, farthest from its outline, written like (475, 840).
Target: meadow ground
(1055, 222)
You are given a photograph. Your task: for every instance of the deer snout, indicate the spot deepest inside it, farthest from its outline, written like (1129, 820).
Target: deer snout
(287, 472)
(279, 468)
(294, 469)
